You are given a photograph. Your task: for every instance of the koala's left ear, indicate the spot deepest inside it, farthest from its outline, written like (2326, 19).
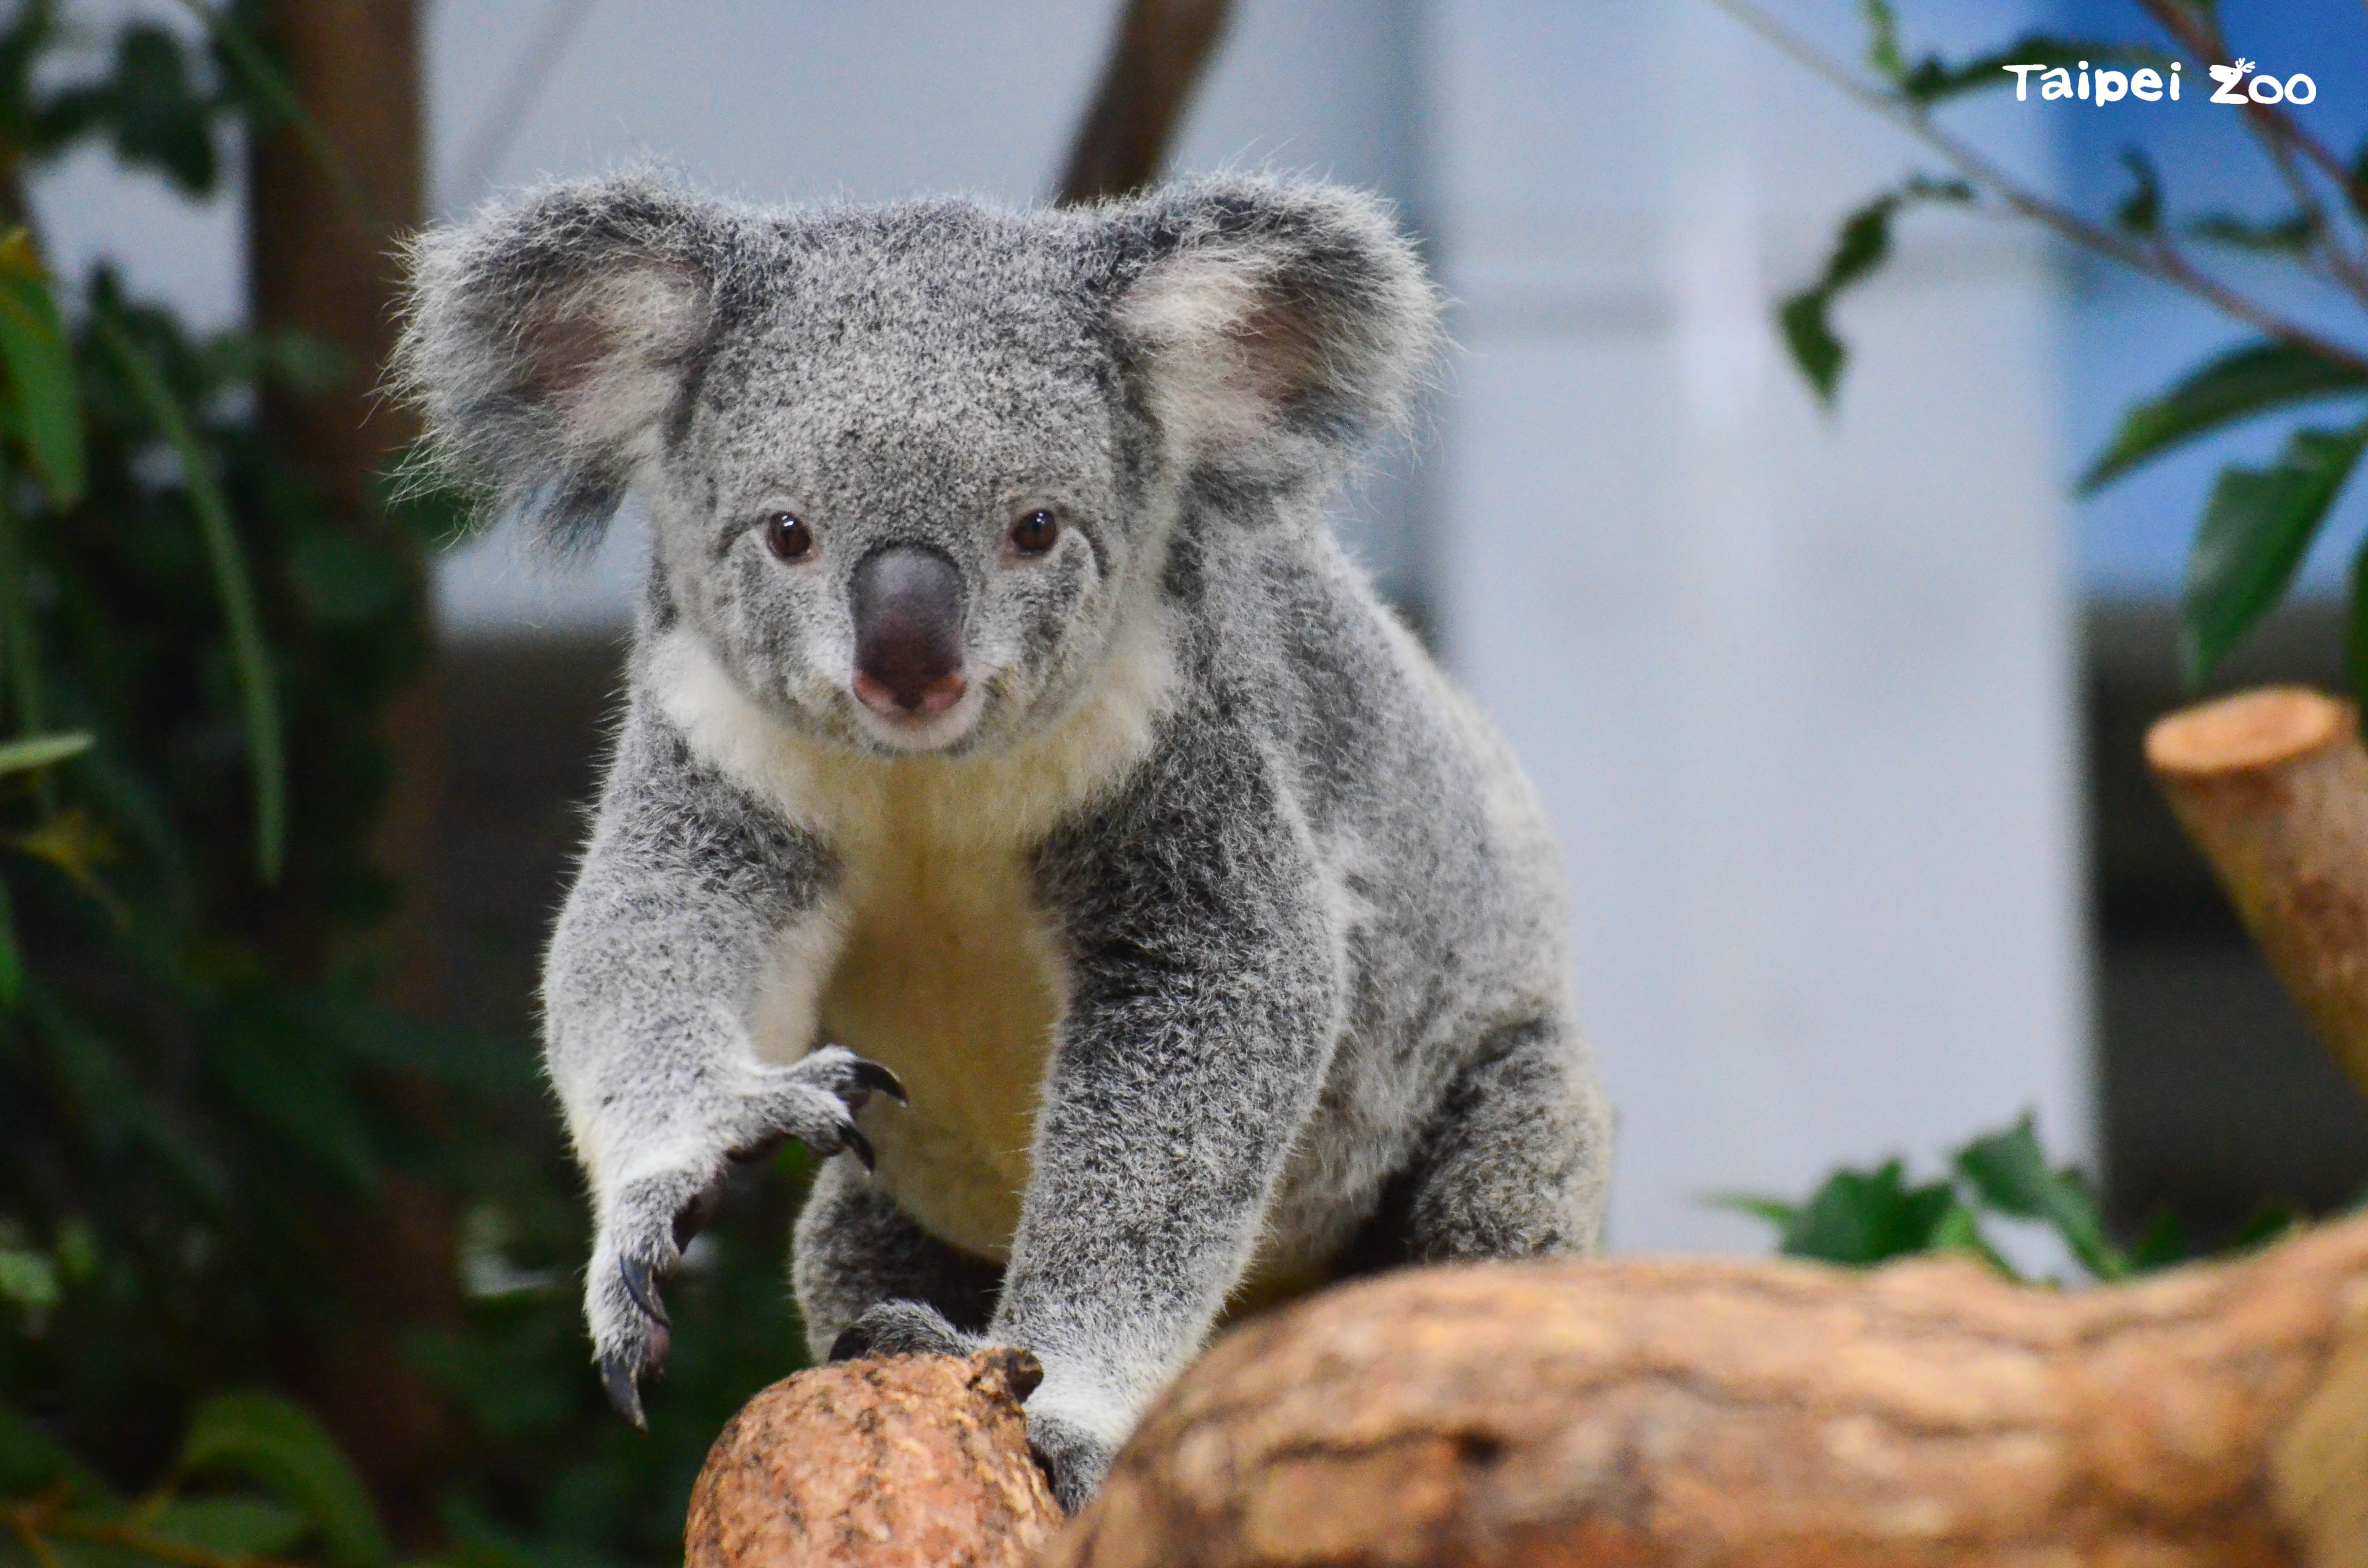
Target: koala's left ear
(1277, 329)
(549, 341)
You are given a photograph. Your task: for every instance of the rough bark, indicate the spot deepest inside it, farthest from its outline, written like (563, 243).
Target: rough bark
(916, 1461)
(323, 228)
(1158, 58)
(2273, 786)
(1709, 1413)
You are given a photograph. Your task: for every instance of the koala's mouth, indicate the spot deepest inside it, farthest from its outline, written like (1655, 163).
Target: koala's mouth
(943, 721)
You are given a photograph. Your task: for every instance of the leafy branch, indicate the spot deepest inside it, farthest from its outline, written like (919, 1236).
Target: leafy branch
(2258, 523)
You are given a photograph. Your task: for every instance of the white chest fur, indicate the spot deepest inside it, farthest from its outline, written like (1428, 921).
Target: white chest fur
(930, 956)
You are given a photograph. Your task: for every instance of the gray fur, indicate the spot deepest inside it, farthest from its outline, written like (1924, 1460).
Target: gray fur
(1291, 911)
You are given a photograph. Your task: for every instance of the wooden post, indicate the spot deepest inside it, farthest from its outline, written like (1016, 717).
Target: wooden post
(2273, 786)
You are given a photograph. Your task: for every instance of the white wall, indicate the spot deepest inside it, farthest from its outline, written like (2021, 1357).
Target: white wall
(1796, 688)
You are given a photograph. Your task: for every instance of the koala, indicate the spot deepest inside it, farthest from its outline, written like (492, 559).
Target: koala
(1021, 798)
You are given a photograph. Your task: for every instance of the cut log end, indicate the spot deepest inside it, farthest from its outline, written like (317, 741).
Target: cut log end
(2267, 728)
(912, 1461)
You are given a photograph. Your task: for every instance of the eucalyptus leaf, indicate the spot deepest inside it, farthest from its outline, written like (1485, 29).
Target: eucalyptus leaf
(12, 957)
(1865, 1217)
(2355, 627)
(248, 649)
(2253, 379)
(2256, 531)
(40, 360)
(228, 1527)
(40, 750)
(276, 1443)
(1860, 248)
(2012, 1174)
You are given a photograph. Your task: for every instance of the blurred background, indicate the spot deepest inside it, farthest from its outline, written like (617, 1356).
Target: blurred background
(1838, 709)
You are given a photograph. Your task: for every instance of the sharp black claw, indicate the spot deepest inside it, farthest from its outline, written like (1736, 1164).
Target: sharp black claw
(853, 1343)
(623, 1393)
(644, 1291)
(878, 1079)
(861, 1146)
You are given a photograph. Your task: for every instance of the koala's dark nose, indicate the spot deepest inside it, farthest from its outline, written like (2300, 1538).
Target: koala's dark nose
(909, 642)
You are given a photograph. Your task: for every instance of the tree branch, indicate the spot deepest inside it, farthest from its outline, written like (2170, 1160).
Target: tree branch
(1161, 48)
(2161, 260)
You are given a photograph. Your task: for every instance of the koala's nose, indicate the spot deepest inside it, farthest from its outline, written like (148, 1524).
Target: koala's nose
(908, 643)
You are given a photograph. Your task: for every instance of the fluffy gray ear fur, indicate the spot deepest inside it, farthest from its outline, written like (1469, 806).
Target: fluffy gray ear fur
(1276, 330)
(551, 340)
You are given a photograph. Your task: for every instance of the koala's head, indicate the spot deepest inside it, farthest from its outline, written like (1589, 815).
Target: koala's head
(913, 468)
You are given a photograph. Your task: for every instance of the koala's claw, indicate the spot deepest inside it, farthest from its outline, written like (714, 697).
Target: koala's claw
(643, 1289)
(862, 1147)
(873, 1076)
(624, 1392)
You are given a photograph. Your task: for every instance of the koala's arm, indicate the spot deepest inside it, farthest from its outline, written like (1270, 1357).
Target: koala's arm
(1205, 988)
(687, 892)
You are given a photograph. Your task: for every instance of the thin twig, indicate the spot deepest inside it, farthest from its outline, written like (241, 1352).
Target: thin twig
(2267, 119)
(530, 78)
(2161, 260)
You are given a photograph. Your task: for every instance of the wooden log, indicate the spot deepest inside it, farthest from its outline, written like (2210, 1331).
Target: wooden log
(913, 1461)
(1708, 1413)
(2273, 786)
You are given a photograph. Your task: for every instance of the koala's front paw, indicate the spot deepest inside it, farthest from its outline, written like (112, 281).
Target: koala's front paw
(1075, 1458)
(653, 1215)
(902, 1328)
(1076, 1423)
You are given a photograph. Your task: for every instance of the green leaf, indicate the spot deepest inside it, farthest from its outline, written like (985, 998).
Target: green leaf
(342, 581)
(2012, 1175)
(2141, 211)
(158, 120)
(12, 957)
(1932, 80)
(2162, 1244)
(230, 586)
(301, 1092)
(1774, 1210)
(40, 750)
(41, 369)
(2355, 630)
(1860, 248)
(277, 1445)
(2267, 1223)
(1864, 1217)
(228, 1527)
(353, 1025)
(1960, 1230)
(32, 1462)
(2256, 531)
(1883, 42)
(27, 1278)
(2290, 235)
(277, 100)
(2244, 382)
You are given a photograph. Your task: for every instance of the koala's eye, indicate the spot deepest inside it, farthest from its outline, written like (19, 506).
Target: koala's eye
(786, 536)
(1034, 534)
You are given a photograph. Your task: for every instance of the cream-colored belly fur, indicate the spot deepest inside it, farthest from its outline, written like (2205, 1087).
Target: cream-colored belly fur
(929, 956)
(950, 979)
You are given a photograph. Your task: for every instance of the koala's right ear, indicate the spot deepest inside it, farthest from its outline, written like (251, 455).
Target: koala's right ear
(549, 341)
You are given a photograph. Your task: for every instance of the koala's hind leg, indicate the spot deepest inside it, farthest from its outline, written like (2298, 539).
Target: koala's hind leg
(1515, 1163)
(855, 1249)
